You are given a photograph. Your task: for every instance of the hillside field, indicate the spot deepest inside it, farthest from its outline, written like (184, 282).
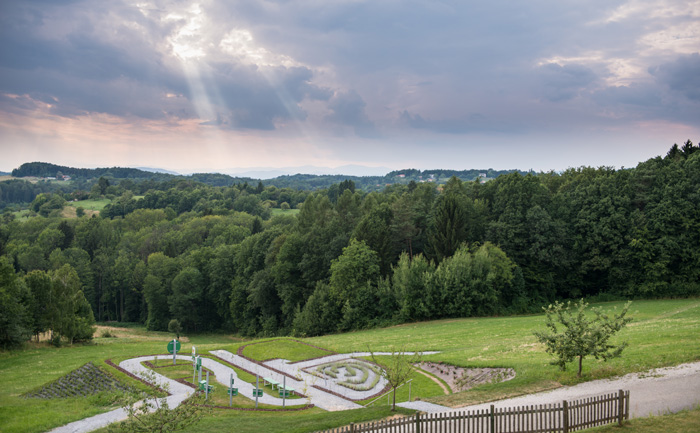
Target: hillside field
(663, 333)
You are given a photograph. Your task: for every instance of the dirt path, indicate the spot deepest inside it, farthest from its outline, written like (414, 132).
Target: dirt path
(434, 379)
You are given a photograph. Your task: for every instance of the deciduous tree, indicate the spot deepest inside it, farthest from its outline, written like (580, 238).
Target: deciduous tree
(397, 368)
(571, 333)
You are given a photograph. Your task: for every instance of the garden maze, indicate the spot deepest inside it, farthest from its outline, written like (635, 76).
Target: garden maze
(354, 374)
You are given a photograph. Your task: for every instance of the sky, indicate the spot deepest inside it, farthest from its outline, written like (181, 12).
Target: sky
(222, 86)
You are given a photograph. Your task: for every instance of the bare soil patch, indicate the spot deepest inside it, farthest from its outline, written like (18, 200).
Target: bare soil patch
(461, 379)
(119, 332)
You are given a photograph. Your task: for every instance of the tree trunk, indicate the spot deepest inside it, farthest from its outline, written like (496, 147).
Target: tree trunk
(580, 365)
(393, 406)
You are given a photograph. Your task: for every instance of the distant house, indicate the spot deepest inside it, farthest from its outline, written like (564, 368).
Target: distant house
(402, 175)
(482, 174)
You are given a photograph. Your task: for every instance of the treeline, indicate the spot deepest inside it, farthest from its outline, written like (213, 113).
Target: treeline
(38, 302)
(351, 259)
(139, 181)
(44, 169)
(20, 191)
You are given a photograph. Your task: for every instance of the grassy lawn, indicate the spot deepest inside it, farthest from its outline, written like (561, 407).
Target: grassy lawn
(22, 215)
(663, 333)
(682, 422)
(276, 211)
(90, 204)
(283, 348)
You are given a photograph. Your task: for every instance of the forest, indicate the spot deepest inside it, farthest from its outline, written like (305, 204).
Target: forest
(216, 258)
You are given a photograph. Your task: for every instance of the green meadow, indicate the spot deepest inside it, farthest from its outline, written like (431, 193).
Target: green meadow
(91, 204)
(278, 211)
(663, 333)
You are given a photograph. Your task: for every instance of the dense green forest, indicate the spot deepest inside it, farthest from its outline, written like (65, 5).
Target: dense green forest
(214, 257)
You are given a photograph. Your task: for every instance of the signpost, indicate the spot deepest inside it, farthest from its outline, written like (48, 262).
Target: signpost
(174, 347)
(194, 363)
(257, 392)
(199, 367)
(230, 392)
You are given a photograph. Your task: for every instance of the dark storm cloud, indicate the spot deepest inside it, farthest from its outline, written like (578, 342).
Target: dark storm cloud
(561, 83)
(681, 75)
(634, 94)
(348, 109)
(256, 100)
(448, 67)
(472, 123)
(59, 53)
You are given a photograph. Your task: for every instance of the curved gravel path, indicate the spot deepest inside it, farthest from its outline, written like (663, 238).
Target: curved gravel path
(655, 392)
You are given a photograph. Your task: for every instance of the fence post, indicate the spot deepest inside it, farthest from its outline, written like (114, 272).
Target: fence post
(417, 422)
(352, 427)
(627, 405)
(566, 416)
(493, 421)
(620, 407)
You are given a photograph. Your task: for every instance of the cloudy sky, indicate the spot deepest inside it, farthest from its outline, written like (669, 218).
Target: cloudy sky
(215, 85)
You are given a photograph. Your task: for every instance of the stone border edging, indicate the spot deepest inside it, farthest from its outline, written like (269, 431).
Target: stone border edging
(262, 364)
(132, 375)
(186, 383)
(149, 364)
(320, 388)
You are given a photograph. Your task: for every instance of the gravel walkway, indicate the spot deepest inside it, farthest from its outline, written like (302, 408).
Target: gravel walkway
(319, 398)
(651, 393)
(179, 393)
(655, 392)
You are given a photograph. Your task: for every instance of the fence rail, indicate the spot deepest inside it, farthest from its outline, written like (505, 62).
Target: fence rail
(562, 417)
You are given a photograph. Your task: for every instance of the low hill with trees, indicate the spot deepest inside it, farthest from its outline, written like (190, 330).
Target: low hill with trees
(214, 257)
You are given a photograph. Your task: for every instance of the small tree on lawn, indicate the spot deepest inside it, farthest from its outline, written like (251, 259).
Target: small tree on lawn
(397, 369)
(175, 327)
(155, 415)
(580, 334)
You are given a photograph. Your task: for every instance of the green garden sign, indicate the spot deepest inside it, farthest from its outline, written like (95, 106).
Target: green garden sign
(172, 344)
(257, 392)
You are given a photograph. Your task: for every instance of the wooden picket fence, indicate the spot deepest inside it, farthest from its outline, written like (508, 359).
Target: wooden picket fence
(562, 417)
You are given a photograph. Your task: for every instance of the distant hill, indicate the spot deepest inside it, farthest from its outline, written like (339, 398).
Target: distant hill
(295, 181)
(45, 169)
(275, 172)
(158, 170)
